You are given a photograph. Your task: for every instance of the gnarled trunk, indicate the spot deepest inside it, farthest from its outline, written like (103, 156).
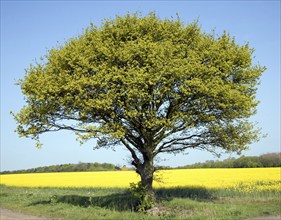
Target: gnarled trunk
(146, 170)
(147, 175)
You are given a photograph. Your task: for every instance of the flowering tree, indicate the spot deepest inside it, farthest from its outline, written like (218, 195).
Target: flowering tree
(154, 86)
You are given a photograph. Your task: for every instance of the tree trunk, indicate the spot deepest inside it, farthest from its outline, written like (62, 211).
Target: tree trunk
(146, 172)
(145, 168)
(147, 176)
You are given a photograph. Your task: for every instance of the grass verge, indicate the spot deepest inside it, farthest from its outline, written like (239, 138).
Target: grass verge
(114, 203)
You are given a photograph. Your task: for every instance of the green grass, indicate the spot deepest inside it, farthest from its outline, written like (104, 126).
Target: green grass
(101, 203)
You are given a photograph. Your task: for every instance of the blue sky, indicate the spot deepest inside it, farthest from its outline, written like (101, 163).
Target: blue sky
(30, 28)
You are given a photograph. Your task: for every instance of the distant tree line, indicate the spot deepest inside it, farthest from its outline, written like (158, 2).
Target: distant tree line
(80, 167)
(265, 160)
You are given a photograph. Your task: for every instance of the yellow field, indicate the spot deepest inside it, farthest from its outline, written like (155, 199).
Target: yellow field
(252, 179)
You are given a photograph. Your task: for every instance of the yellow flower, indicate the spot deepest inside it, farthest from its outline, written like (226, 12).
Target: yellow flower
(244, 180)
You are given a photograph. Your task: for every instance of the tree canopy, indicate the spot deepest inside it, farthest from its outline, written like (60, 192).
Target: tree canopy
(151, 85)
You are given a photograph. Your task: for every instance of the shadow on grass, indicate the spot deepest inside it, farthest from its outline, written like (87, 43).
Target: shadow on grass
(125, 201)
(196, 193)
(120, 202)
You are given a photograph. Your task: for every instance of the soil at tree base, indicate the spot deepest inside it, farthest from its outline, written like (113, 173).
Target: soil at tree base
(6, 214)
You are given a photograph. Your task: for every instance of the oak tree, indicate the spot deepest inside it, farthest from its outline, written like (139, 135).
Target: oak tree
(154, 86)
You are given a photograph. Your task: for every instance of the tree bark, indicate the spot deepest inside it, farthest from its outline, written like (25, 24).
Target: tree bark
(147, 177)
(145, 168)
(146, 171)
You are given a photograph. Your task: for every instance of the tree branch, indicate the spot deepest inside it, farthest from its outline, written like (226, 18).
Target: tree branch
(133, 153)
(175, 141)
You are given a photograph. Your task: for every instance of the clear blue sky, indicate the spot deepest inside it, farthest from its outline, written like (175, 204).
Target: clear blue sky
(29, 28)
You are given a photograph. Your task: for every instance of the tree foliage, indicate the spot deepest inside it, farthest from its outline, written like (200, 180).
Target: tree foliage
(151, 85)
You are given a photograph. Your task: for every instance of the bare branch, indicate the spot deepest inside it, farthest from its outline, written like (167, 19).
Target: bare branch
(70, 128)
(173, 149)
(178, 141)
(133, 153)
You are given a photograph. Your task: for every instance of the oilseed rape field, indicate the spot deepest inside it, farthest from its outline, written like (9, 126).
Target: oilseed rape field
(245, 179)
